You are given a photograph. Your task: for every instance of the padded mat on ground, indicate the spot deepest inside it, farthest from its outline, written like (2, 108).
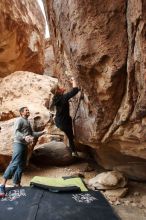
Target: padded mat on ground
(31, 203)
(60, 184)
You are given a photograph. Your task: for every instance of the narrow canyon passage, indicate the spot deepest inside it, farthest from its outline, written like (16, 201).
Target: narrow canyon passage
(102, 45)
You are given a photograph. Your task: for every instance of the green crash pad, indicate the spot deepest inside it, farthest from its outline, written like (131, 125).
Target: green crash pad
(60, 184)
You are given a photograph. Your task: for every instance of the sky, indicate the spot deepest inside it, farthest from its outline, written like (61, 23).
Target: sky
(42, 8)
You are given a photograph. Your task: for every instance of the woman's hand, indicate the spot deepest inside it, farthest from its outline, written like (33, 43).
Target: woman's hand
(73, 81)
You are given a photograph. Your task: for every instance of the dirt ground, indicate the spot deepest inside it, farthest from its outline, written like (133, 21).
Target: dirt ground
(131, 207)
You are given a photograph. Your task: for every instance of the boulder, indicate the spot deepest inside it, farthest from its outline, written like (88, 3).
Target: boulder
(53, 153)
(108, 180)
(24, 89)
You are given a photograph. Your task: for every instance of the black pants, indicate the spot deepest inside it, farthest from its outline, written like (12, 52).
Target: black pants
(67, 129)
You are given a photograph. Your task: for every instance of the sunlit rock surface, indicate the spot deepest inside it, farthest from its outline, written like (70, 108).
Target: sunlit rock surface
(21, 37)
(22, 89)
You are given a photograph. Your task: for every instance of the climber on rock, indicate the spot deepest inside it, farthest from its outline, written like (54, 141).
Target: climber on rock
(63, 119)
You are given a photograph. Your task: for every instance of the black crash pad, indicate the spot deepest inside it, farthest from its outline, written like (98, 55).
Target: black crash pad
(31, 203)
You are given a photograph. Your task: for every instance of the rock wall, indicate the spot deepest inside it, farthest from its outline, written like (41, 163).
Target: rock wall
(22, 37)
(102, 43)
(50, 62)
(86, 36)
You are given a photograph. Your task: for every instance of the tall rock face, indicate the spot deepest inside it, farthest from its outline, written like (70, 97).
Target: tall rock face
(94, 48)
(102, 43)
(90, 41)
(22, 36)
(50, 62)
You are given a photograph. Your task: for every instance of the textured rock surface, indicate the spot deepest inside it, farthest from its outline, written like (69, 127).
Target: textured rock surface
(103, 45)
(116, 193)
(90, 44)
(53, 153)
(50, 63)
(22, 36)
(108, 180)
(23, 89)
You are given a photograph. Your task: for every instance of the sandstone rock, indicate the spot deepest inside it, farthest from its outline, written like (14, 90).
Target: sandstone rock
(108, 180)
(117, 202)
(53, 153)
(133, 167)
(50, 63)
(23, 89)
(140, 206)
(108, 61)
(4, 161)
(4, 116)
(136, 193)
(88, 168)
(89, 44)
(126, 202)
(117, 193)
(22, 37)
(133, 204)
(143, 200)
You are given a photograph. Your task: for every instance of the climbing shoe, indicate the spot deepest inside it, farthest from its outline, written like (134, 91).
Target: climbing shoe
(2, 191)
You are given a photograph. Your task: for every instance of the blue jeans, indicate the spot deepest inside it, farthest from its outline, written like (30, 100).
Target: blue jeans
(17, 164)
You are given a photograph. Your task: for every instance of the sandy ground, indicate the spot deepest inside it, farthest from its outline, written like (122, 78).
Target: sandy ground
(131, 207)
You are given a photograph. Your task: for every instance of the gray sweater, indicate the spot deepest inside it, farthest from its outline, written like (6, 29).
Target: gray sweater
(22, 128)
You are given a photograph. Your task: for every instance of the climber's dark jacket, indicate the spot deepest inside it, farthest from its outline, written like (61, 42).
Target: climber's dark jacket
(61, 102)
